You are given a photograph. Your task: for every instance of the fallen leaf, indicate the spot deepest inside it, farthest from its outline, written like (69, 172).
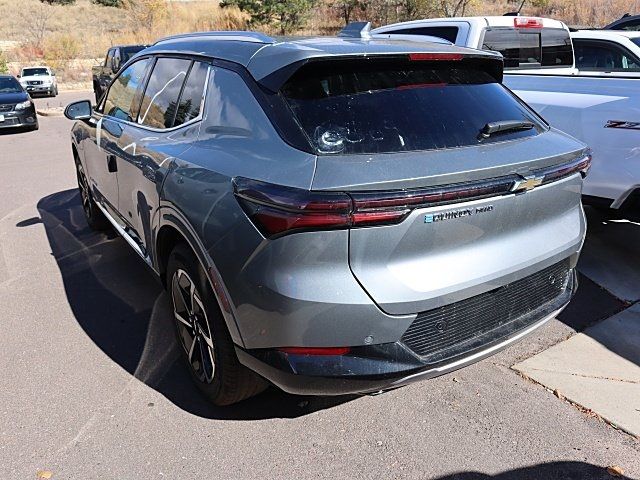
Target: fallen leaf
(558, 394)
(615, 471)
(44, 474)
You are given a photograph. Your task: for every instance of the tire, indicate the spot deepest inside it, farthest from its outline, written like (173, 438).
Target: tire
(202, 334)
(95, 218)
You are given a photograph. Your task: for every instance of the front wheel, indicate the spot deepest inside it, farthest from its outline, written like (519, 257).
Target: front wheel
(95, 218)
(202, 334)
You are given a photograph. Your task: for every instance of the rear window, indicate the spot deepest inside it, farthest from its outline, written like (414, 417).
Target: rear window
(400, 106)
(527, 48)
(446, 32)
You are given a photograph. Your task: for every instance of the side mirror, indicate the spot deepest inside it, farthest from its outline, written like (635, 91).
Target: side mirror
(115, 64)
(78, 110)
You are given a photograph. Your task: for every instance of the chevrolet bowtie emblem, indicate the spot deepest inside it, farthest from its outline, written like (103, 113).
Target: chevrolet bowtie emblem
(527, 183)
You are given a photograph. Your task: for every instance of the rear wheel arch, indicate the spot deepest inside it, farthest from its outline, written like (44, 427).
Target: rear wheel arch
(169, 236)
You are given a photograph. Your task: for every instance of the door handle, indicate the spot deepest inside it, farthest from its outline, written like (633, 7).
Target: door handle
(112, 164)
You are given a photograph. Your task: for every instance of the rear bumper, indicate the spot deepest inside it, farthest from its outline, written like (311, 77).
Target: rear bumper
(374, 368)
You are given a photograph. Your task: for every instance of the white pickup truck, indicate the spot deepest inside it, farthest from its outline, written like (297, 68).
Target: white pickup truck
(599, 108)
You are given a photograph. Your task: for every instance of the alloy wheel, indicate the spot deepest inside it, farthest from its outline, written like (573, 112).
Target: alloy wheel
(84, 192)
(193, 326)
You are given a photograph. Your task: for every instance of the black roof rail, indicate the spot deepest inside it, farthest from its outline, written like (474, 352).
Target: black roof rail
(234, 35)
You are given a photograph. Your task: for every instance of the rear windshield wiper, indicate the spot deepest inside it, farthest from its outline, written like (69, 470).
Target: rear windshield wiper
(504, 126)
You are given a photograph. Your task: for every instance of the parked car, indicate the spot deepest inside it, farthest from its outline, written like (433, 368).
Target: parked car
(16, 107)
(334, 215)
(626, 22)
(39, 80)
(106, 71)
(588, 104)
(612, 52)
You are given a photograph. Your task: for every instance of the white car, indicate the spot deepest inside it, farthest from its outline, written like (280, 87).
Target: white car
(39, 79)
(611, 52)
(599, 106)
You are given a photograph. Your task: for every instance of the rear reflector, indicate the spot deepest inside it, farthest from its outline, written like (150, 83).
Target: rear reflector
(419, 57)
(527, 22)
(315, 350)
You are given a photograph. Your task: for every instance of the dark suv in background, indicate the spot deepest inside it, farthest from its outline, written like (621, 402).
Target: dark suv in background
(333, 215)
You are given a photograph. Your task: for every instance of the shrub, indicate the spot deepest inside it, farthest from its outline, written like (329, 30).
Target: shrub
(60, 49)
(4, 67)
(109, 3)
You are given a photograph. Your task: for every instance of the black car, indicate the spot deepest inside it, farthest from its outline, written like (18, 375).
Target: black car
(16, 107)
(626, 22)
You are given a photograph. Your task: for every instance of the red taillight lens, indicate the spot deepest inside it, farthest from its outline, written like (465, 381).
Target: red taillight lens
(421, 57)
(277, 210)
(315, 350)
(581, 166)
(527, 22)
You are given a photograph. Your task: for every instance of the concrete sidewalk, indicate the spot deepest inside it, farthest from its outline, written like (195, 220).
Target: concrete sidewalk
(598, 369)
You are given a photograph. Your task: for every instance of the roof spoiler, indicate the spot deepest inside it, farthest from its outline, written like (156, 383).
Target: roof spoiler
(356, 30)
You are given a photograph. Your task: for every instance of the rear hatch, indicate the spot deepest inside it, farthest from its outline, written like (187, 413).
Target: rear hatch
(462, 187)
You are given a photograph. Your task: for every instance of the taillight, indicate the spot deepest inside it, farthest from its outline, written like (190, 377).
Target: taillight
(582, 166)
(527, 22)
(277, 210)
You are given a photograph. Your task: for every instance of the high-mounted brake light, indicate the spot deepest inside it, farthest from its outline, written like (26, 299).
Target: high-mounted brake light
(315, 350)
(527, 22)
(418, 57)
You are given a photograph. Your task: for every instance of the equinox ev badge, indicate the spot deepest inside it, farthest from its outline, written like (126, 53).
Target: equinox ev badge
(463, 212)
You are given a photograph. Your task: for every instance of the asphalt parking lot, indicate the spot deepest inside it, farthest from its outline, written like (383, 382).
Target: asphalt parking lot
(92, 386)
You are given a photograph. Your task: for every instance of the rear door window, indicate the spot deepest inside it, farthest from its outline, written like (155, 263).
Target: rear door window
(174, 93)
(394, 106)
(604, 56)
(121, 99)
(530, 48)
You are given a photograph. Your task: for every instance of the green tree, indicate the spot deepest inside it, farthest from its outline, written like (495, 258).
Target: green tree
(286, 15)
(59, 2)
(109, 3)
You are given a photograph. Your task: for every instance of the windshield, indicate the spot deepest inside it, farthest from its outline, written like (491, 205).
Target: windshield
(34, 72)
(378, 107)
(128, 52)
(9, 85)
(636, 40)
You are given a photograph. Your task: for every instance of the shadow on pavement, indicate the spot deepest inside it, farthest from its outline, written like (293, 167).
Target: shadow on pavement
(122, 307)
(543, 471)
(14, 131)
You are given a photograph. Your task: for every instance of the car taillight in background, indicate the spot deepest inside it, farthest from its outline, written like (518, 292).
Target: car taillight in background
(527, 22)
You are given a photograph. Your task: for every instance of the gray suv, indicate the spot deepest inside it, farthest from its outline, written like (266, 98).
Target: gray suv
(333, 215)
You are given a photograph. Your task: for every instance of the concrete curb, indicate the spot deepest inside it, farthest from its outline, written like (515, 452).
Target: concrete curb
(50, 113)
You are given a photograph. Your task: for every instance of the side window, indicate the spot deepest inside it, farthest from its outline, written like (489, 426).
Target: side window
(448, 33)
(120, 102)
(603, 56)
(192, 94)
(160, 99)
